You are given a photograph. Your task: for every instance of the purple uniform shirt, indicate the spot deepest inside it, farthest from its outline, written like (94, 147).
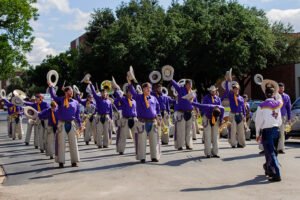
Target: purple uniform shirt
(183, 104)
(164, 102)
(208, 108)
(240, 108)
(286, 107)
(142, 110)
(10, 107)
(127, 111)
(47, 114)
(64, 113)
(104, 106)
(43, 105)
(209, 99)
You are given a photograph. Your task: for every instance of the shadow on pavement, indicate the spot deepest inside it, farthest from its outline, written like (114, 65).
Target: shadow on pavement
(242, 157)
(258, 180)
(175, 163)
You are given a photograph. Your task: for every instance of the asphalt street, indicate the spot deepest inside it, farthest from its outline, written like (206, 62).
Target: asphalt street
(103, 174)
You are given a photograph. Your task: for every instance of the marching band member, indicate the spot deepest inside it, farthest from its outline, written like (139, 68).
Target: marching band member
(14, 119)
(286, 117)
(148, 110)
(89, 111)
(183, 134)
(50, 114)
(248, 118)
(237, 115)
(164, 104)
(268, 120)
(128, 120)
(210, 122)
(213, 116)
(103, 121)
(40, 125)
(68, 112)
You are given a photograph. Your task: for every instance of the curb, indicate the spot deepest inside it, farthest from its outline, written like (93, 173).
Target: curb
(2, 175)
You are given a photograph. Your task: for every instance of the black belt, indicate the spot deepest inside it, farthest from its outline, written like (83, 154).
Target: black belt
(146, 120)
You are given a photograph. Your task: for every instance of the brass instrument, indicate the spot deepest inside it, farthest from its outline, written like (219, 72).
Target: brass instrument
(225, 124)
(288, 127)
(108, 85)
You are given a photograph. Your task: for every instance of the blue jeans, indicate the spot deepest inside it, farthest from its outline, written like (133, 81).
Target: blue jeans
(270, 137)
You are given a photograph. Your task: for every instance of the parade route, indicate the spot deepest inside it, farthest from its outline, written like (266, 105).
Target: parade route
(103, 174)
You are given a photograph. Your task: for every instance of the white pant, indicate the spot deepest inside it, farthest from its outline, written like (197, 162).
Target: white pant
(90, 130)
(50, 141)
(30, 125)
(16, 129)
(211, 137)
(237, 132)
(165, 135)
(195, 126)
(281, 141)
(183, 131)
(141, 136)
(122, 133)
(9, 132)
(103, 131)
(61, 143)
(42, 131)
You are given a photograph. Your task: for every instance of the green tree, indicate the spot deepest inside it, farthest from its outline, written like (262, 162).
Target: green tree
(15, 33)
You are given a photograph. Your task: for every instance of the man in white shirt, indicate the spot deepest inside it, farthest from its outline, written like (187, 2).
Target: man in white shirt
(267, 121)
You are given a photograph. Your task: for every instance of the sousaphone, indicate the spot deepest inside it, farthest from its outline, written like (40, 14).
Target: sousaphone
(155, 77)
(108, 85)
(50, 74)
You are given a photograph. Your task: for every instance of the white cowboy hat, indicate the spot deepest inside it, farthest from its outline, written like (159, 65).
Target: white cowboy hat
(17, 101)
(124, 87)
(139, 89)
(88, 89)
(131, 75)
(268, 82)
(49, 77)
(235, 84)
(165, 91)
(167, 72)
(190, 96)
(258, 79)
(30, 112)
(20, 94)
(155, 77)
(229, 74)
(3, 94)
(76, 89)
(212, 88)
(175, 93)
(114, 84)
(86, 78)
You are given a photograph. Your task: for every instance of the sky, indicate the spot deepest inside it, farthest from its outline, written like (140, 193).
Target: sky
(62, 21)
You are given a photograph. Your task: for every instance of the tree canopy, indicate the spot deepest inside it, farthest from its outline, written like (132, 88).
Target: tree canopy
(15, 33)
(201, 39)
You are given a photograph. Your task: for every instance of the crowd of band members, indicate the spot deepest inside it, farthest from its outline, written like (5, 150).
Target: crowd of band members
(145, 115)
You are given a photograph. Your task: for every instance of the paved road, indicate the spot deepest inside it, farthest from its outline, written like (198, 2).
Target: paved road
(103, 174)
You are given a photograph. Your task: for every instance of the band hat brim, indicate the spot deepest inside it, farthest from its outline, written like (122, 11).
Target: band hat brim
(19, 93)
(28, 109)
(50, 74)
(131, 72)
(266, 82)
(124, 87)
(235, 84)
(3, 94)
(114, 83)
(76, 89)
(166, 91)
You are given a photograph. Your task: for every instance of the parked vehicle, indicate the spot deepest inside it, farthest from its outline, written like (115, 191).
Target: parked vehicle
(253, 107)
(295, 132)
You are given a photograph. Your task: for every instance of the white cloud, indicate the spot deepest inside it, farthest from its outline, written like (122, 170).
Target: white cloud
(41, 48)
(80, 22)
(45, 6)
(291, 16)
